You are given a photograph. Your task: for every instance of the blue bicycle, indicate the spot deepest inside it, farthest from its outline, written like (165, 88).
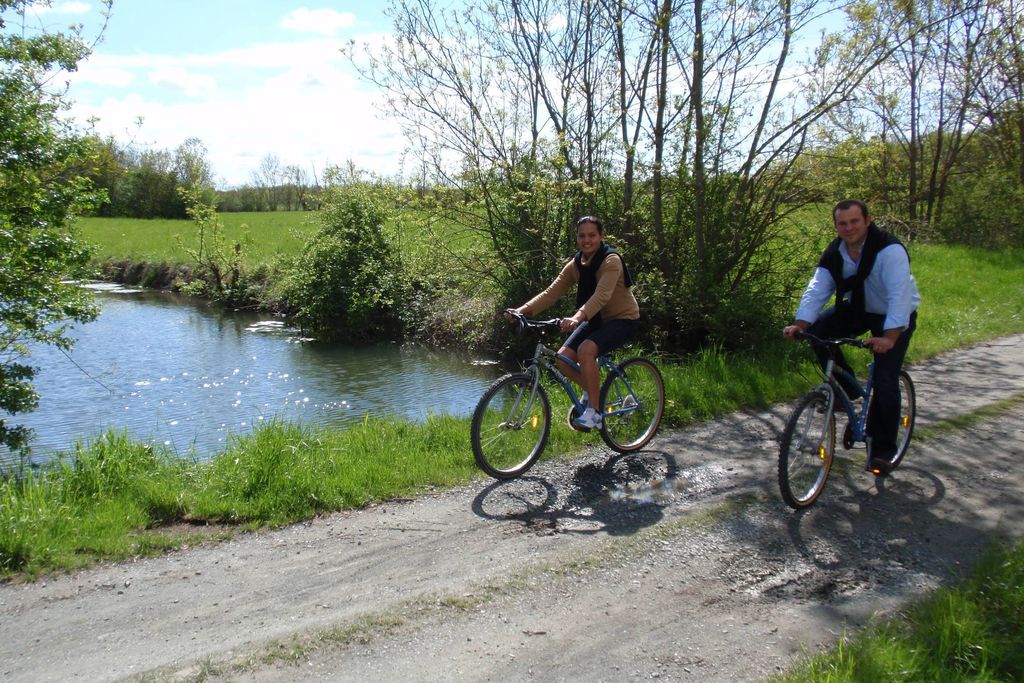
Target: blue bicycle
(809, 439)
(512, 420)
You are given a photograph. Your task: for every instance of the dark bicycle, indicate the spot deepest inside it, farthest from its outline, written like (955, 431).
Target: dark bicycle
(512, 420)
(809, 439)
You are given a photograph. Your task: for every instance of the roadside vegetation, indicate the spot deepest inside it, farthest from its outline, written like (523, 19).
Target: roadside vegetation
(973, 631)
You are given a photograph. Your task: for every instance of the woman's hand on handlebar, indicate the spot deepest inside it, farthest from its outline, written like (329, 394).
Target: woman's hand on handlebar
(512, 313)
(569, 324)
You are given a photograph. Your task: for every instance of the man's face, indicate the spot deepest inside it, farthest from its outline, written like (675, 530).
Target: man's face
(851, 225)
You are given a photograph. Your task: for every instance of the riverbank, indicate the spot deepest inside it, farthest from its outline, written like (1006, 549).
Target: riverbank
(680, 562)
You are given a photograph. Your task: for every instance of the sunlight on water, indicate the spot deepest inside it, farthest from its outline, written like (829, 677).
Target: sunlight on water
(190, 376)
(656, 491)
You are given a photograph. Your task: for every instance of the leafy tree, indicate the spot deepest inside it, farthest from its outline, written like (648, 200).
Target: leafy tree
(40, 191)
(679, 121)
(346, 284)
(917, 109)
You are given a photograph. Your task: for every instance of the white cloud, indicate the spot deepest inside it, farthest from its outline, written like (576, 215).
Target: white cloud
(95, 72)
(299, 101)
(323, 21)
(192, 84)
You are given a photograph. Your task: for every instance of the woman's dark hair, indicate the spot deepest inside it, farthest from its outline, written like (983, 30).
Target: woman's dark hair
(591, 219)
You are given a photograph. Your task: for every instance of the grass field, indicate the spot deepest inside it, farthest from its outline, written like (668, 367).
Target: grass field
(271, 234)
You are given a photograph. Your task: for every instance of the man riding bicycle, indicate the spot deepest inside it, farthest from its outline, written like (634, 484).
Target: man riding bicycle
(868, 270)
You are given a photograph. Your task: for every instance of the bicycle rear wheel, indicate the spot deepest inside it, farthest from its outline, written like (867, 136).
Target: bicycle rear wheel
(908, 413)
(808, 445)
(633, 402)
(510, 426)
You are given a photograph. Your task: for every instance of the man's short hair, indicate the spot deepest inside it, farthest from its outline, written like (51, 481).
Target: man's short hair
(849, 204)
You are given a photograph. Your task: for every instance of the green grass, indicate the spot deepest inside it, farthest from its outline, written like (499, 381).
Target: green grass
(970, 632)
(272, 234)
(967, 295)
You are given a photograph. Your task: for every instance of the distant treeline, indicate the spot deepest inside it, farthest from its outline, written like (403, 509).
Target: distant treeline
(149, 183)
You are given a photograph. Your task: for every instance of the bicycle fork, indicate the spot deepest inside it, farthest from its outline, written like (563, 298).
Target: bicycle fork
(516, 419)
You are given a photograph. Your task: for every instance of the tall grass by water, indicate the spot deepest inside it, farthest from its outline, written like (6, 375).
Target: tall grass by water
(113, 498)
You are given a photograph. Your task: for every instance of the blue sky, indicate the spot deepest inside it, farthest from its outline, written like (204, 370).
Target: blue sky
(247, 77)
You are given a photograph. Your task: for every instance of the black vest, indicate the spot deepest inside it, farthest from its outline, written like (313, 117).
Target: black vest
(588, 273)
(850, 291)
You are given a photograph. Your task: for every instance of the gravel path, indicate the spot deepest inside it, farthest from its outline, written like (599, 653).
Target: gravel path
(678, 563)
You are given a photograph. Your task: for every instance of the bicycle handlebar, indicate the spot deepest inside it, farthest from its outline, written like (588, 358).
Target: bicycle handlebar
(838, 341)
(525, 323)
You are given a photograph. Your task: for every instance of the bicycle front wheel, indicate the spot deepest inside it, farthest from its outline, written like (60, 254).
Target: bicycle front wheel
(510, 426)
(908, 413)
(633, 401)
(808, 444)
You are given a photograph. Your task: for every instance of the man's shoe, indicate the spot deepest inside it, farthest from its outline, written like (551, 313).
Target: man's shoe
(590, 419)
(880, 467)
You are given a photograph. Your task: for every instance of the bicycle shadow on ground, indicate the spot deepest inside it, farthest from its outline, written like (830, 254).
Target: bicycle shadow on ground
(887, 538)
(891, 511)
(615, 496)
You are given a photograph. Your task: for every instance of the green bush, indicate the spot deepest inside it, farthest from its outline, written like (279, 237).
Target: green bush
(985, 210)
(346, 284)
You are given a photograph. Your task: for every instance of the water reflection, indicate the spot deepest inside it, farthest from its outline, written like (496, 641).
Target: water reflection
(188, 375)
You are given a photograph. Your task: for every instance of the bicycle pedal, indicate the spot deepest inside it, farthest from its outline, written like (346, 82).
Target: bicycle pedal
(571, 418)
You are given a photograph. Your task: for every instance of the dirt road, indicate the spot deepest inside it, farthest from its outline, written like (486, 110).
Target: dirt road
(679, 563)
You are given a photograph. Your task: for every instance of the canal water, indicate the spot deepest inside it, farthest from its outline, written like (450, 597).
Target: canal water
(188, 375)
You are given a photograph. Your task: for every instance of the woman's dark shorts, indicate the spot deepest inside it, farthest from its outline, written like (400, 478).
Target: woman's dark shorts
(608, 335)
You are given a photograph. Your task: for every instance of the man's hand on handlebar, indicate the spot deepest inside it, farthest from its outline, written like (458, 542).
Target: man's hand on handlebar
(792, 332)
(879, 344)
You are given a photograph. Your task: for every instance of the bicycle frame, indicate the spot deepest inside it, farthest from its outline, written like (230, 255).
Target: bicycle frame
(857, 420)
(546, 358)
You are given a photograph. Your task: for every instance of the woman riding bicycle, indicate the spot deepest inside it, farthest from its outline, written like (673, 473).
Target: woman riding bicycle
(607, 315)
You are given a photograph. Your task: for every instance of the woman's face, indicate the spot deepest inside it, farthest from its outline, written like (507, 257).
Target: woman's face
(588, 238)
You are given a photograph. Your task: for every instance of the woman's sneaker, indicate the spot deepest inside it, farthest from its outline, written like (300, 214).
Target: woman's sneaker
(573, 414)
(590, 419)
